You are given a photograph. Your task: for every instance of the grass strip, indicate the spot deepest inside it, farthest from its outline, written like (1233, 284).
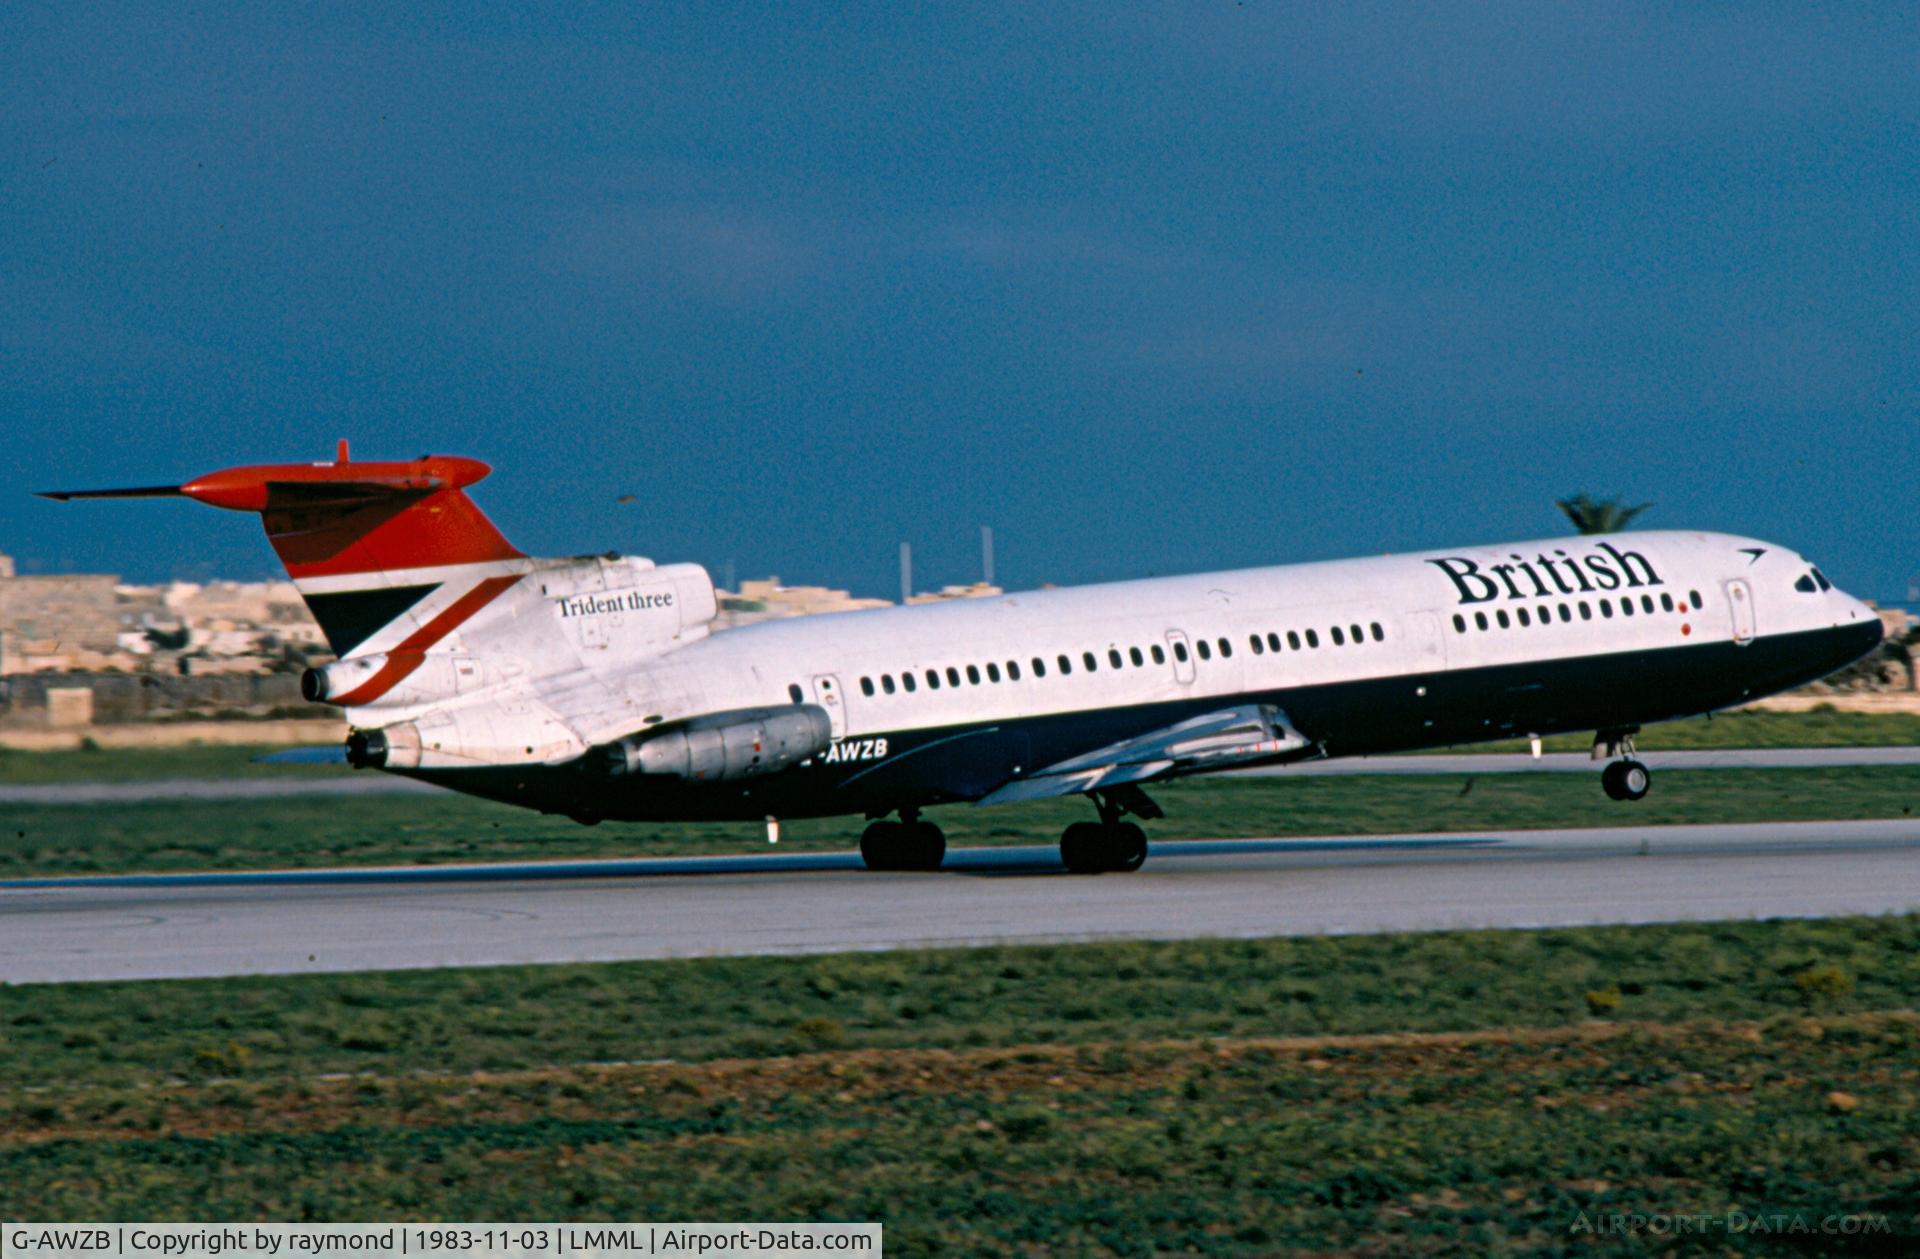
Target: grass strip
(1741, 728)
(1442, 1093)
(516, 1018)
(307, 832)
(1487, 1143)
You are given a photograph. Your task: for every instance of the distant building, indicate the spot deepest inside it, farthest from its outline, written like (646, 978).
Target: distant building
(978, 590)
(768, 600)
(69, 620)
(93, 622)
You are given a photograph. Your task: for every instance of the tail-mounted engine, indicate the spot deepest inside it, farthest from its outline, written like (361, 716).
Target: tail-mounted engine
(717, 747)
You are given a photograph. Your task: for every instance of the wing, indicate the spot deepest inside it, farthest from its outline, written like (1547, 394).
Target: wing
(1232, 736)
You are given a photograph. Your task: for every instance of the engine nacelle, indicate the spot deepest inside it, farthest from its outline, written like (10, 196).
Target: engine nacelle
(718, 747)
(478, 735)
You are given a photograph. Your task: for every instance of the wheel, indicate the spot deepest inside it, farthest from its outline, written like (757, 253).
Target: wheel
(1610, 781)
(903, 846)
(923, 847)
(1081, 849)
(1096, 848)
(880, 846)
(1635, 780)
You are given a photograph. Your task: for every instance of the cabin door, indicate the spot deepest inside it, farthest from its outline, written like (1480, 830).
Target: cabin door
(1740, 600)
(1182, 653)
(826, 693)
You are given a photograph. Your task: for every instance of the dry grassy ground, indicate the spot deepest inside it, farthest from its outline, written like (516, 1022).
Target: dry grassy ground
(1429, 1094)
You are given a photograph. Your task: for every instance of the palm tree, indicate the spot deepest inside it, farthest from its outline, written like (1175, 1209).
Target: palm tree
(1606, 515)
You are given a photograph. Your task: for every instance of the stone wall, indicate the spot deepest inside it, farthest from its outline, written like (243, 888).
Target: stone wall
(131, 697)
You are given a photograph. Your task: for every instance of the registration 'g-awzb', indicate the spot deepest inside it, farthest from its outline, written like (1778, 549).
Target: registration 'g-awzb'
(597, 686)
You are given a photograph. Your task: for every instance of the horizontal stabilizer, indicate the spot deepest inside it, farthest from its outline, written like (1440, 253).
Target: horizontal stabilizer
(138, 491)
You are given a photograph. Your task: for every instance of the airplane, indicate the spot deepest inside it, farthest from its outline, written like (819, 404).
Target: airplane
(597, 686)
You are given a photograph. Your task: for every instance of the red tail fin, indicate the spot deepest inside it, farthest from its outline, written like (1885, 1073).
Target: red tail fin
(333, 522)
(334, 519)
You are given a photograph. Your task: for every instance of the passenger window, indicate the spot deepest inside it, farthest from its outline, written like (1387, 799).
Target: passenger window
(1086, 658)
(1133, 654)
(866, 686)
(973, 675)
(1259, 648)
(1358, 637)
(1273, 641)
(1646, 604)
(1505, 621)
(793, 692)
(1586, 613)
(1180, 652)
(1339, 639)
(1039, 667)
(1566, 613)
(1695, 596)
(1522, 614)
(1459, 623)
(886, 683)
(1666, 602)
(1066, 666)
(1626, 605)
(1206, 652)
(993, 672)
(1313, 639)
(1013, 670)
(1480, 620)
(953, 676)
(933, 679)
(1159, 657)
(1606, 608)
(1379, 635)
(1226, 649)
(1113, 656)
(906, 680)
(1293, 641)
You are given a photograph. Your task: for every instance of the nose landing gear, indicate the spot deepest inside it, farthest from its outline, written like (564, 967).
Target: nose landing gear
(1110, 845)
(1625, 779)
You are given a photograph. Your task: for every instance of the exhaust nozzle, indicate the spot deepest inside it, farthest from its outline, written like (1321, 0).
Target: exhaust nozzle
(366, 749)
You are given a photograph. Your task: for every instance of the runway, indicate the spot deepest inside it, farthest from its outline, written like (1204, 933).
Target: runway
(177, 926)
(278, 787)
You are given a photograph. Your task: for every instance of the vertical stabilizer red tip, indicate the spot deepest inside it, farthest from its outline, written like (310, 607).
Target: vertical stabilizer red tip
(341, 455)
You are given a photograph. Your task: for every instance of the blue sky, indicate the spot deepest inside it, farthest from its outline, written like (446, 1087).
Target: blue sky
(1184, 287)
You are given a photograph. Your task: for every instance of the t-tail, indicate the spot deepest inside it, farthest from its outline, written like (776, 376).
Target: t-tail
(390, 556)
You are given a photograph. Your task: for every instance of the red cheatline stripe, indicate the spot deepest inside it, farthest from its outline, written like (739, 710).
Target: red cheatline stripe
(405, 658)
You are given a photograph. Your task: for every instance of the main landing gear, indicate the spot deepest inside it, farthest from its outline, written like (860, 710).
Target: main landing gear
(1109, 844)
(1626, 779)
(909, 844)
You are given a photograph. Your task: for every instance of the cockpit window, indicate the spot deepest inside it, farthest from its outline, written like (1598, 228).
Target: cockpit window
(1805, 585)
(1822, 579)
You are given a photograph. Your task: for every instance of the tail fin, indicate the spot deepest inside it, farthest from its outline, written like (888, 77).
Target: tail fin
(352, 535)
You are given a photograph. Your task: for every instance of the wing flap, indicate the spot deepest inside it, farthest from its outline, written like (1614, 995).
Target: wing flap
(1232, 736)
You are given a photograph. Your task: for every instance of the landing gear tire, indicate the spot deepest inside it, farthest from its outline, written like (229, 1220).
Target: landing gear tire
(1100, 848)
(903, 846)
(1626, 780)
